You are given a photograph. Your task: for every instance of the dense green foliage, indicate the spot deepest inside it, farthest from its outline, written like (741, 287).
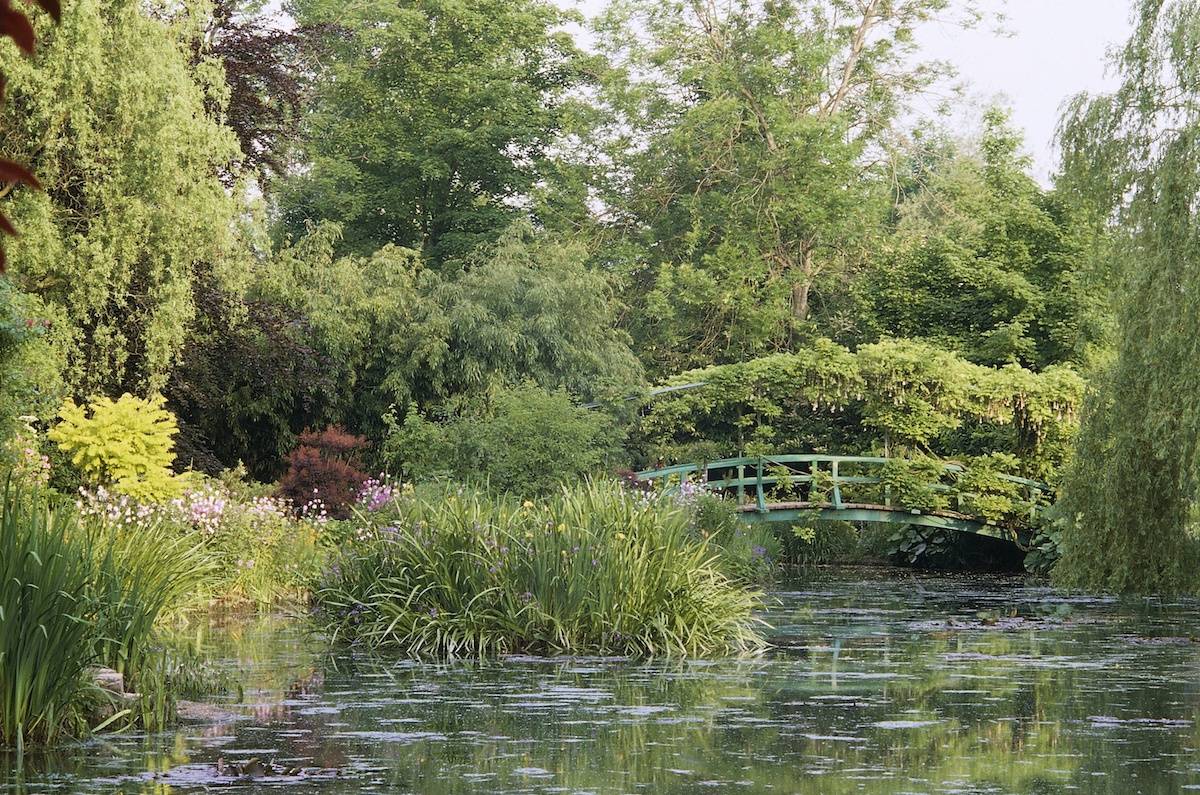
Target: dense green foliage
(431, 120)
(740, 185)
(596, 569)
(112, 117)
(984, 262)
(401, 334)
(525, 442)
(1135, 155)
(889, 396)
(248, 378)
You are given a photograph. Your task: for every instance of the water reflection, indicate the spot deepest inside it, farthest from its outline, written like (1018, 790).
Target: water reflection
(939, 685)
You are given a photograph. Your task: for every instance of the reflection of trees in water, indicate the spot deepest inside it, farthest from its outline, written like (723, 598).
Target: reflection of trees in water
(590, 727)
(613, 726)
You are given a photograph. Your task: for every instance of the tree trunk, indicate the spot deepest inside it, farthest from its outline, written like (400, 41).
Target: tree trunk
(802, 288)
(800, 299)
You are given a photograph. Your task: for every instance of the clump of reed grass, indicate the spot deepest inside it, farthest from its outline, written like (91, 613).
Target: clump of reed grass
(452, 572)
(74, 597)
(46, 634)
(140, 574)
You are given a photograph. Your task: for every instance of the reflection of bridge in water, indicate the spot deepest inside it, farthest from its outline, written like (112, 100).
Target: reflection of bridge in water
(849, 489)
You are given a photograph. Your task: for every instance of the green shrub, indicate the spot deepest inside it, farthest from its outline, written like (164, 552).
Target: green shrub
(596, 569)
(124, 444)
(910, 481)
(527, 442)
(983, 492)
(820, 542)
(1045, 550)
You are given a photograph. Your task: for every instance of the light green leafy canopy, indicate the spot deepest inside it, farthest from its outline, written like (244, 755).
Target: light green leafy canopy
(523, 309)
(890, 396)
(1134, 156)
(746, 142)
(111, 116)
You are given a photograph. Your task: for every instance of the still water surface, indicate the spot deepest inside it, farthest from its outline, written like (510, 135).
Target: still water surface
(896, 684)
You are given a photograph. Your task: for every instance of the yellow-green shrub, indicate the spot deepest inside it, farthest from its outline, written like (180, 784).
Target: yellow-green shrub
(125, 444)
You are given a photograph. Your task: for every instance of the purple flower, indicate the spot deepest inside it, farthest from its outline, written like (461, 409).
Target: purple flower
(374, 494)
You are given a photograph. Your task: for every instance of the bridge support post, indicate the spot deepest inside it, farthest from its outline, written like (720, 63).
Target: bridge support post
(760, 496)
(837, 485)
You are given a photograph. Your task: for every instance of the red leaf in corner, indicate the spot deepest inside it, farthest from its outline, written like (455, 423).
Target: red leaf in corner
(16, 25)
(14, 172)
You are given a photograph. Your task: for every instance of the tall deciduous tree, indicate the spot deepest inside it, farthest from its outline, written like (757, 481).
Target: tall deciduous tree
(985, 262)
(746, 143)
(265, 65)
(431, 120)
(112, 117)
(1134, 156)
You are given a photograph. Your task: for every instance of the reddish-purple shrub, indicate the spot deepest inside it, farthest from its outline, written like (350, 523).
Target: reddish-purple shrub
(324, 468)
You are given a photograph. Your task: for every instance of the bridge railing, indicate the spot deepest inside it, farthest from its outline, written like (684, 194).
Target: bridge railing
(837, 480)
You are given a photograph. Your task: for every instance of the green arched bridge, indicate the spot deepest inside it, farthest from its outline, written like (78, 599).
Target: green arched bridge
(790, 488)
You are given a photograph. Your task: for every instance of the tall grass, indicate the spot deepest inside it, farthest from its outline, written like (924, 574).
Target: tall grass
(139, 575)
(71, 598)
(46, 633)
(596, 569)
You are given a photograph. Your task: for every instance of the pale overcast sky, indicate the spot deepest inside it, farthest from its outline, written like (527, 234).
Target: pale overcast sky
(1055, 49)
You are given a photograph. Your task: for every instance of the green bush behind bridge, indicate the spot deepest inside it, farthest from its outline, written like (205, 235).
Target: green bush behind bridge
(893, 396)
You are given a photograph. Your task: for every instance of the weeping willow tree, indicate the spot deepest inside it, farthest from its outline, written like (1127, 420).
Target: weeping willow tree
(1135, 155)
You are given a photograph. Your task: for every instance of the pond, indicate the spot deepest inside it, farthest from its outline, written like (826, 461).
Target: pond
(879, 682)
